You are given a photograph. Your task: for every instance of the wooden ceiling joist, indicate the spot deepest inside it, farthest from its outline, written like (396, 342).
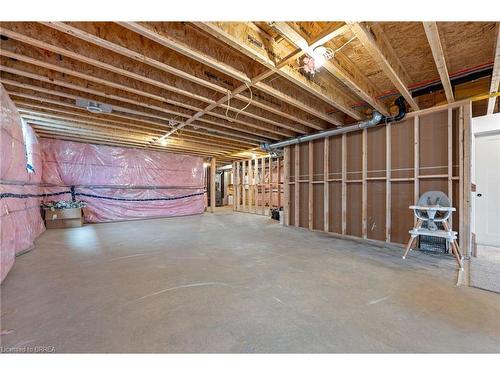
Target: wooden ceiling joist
(29, 112)
(222, 88)
(30, 107)
(382, 52)
(432, 33)
(163, 35)
(188, 72)
(54, 97)
(134, 106)
(38, 36)
(69, 69)
(340, 67)
(72, 69)
(166, 34)
(110, 142)
(245, 39)
(62, 127)
(495, 76)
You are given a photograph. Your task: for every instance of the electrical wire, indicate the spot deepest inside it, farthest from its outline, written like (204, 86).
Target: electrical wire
(248, 104)
(228, 106)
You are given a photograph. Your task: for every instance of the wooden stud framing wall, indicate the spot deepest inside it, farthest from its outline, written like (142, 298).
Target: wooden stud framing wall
(360, 184)
(259, 185)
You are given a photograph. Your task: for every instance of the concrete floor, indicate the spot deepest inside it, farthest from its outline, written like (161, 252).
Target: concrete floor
(234, 282)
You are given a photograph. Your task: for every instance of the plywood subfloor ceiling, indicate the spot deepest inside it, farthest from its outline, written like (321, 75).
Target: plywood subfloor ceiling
(222, 88)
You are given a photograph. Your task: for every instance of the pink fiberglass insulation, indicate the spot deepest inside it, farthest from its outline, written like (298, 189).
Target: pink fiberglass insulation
(121, 183)
(20, 219)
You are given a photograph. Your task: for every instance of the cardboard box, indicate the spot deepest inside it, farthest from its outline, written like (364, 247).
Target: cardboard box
(67, 218)
(63, 223)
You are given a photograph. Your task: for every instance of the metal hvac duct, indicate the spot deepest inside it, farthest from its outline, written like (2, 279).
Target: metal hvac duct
(376, 119)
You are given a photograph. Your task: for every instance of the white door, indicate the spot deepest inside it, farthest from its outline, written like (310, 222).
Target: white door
(487, 201)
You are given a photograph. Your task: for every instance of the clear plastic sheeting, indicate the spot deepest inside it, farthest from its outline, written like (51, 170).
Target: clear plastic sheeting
(73, 163)
(20, 219)
(125, 183)
(117, 183)
(102, 210)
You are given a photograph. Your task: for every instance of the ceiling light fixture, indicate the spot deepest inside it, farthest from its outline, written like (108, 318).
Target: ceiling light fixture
(94, 108)
(316, 59)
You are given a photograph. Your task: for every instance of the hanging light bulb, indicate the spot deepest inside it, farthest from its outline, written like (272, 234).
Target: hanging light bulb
(317, 59)
(319, 56)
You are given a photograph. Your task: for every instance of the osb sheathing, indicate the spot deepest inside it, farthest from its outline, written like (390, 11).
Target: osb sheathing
(319, 208)
(353, 224)
(335, 207)
(366, 191)
(376, 210)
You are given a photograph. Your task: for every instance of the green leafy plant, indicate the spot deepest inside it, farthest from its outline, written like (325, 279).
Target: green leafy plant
(63, 205)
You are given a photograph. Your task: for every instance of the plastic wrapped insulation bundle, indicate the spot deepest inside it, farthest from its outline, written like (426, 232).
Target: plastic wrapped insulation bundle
(120, 183)
(20, 174)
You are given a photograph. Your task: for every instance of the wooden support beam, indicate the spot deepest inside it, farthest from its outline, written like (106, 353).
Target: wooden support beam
(364, 186)
(323, 37)
(286, 185)
(461, 193)
(340, 67)
(255, 184)
(234, 181)
(132, 107)
(76, 116)
(148, 97)
(269, 183)
(251, 185)
(166, 34)
(431, 30)
(495, 75)
(326, 184)
(96, 138)
(297, 186)
(76, 129)
(310, 211)
(244, 186)
(28, 112)
(213, 168)
(132, 72)
(384, 55)
(245, 39)
(238, 187)
(467, 189)
(344, 184)
(388, 173)
(41, 37)
(416, 160)
(450, 160)
(46, 96)
(278, 182)
(263, 183)
(37, 31)
(153, 58)
(92, 140)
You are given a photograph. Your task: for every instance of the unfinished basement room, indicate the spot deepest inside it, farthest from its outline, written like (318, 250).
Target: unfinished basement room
(204, 186)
